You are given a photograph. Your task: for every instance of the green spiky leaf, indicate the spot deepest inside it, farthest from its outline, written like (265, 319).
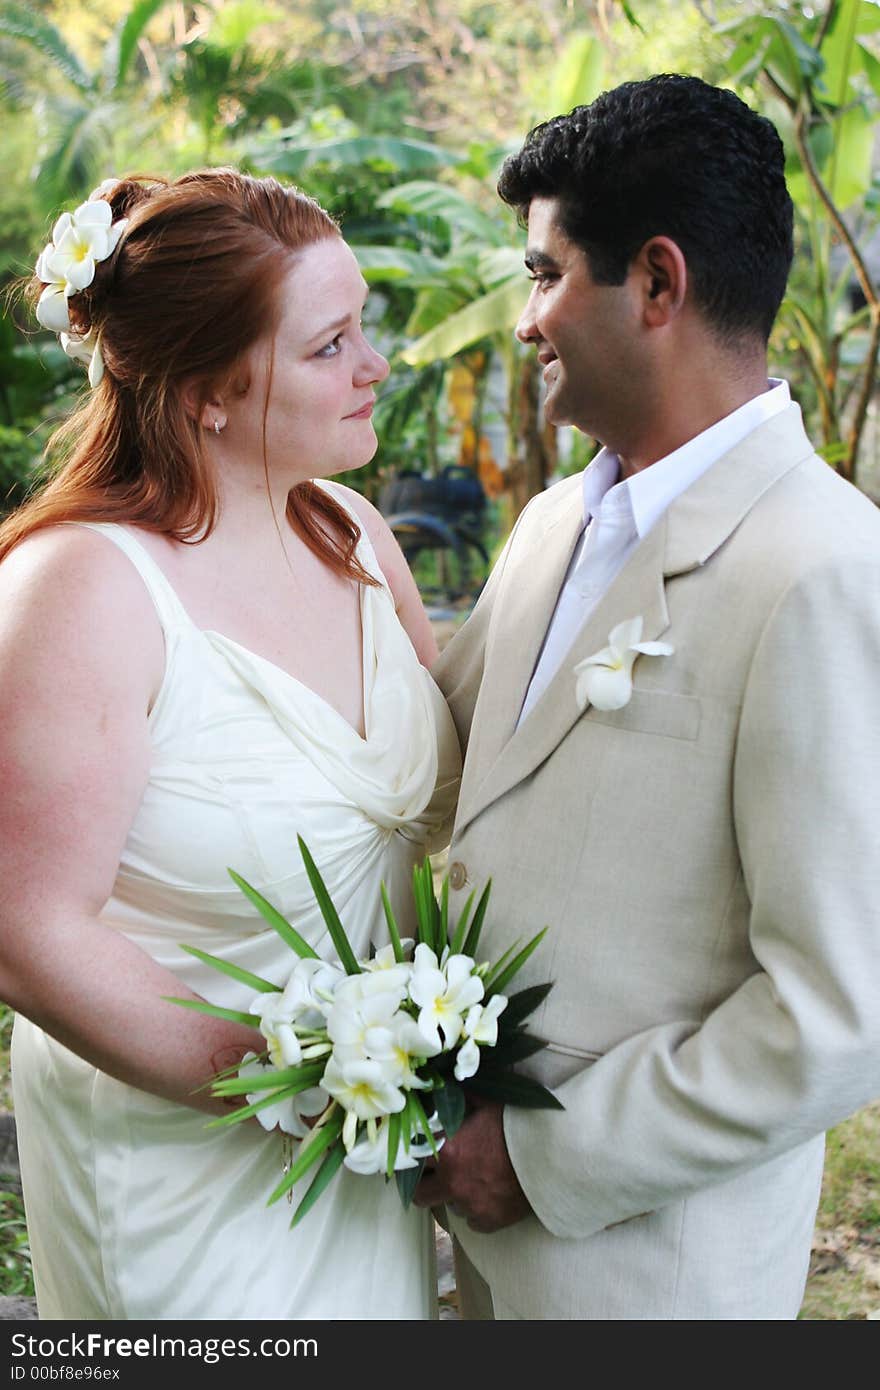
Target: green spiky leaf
(462, 926)
(498, 968)
(523, 1003)
(394, 1124)
(322, 1179)
(289, 935)
(514, 1048)
(472, 940)
(332, 920)
(291, 1081)
(450, 1105)
(512, 1089)
(200, 1006)
(391, 921)
(317, 1143)
(421, 1119)
(235, 972)
(499, 982)
(407, 1182)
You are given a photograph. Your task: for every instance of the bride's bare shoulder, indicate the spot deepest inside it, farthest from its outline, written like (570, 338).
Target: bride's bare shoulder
(65, 554)
(69, 590)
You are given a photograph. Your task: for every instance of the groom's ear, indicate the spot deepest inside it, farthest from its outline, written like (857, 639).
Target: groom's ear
(661, 272)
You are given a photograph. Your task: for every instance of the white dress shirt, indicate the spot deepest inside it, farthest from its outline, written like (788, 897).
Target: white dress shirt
(617, 515)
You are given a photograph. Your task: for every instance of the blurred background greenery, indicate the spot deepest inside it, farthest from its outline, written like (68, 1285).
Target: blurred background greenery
(396, 115)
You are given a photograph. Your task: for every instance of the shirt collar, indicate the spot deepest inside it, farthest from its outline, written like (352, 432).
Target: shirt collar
(645, 496)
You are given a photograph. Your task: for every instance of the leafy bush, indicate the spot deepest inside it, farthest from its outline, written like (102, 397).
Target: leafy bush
(19, 461)
(16, 1275)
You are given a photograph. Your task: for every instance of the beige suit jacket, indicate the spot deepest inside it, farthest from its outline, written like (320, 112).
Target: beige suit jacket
(706, 859)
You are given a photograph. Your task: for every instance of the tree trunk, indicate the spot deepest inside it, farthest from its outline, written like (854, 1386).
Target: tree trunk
(532, 444)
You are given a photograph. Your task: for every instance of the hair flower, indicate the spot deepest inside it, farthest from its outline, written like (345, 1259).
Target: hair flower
(104, 190)
(81, 239)
(85, 348)
(66, 265)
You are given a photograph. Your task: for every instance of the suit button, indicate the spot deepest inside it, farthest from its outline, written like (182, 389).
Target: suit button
(457, 875)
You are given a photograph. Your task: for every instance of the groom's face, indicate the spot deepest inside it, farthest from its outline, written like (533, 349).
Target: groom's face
(586, 334)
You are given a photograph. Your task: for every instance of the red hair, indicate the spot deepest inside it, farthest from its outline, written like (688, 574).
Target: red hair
(191, 287)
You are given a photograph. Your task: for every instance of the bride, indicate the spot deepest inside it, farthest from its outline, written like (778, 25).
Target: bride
(205, 649)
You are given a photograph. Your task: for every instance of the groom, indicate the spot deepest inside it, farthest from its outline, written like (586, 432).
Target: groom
(702, 839)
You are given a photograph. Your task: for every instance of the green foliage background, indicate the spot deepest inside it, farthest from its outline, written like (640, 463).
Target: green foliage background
(396, 114)
(362, 102)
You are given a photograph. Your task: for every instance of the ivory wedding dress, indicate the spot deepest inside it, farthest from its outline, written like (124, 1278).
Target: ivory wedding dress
(135, 1209)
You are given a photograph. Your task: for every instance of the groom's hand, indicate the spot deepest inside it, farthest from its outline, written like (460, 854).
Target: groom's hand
(473, 1174)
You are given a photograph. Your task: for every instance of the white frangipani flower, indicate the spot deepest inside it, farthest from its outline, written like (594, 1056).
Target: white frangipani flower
(308, 994)
(385, 959)
(52, 311)
(605, 679)
(276, 1026)
(67, 264)
(393, 980)
(370, 1155)
(85, 347)
(80, 240)
(289, 1114)
(405, 1046)
(366, 1091)
(481, 1023)
(104, 189)
(79, 346)
(480, 1026)
(443, 995)
(467, 1060)
(96, 365)
(361, 1028)
(418, 1144)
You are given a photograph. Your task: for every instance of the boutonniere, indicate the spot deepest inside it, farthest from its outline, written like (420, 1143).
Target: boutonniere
(605, 680)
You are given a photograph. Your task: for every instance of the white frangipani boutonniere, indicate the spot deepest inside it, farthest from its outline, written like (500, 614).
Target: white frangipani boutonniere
(605, 680)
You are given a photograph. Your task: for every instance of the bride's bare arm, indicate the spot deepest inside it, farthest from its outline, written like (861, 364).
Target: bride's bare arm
(81, 658)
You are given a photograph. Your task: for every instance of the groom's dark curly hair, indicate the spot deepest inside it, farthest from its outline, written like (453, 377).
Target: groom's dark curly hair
(670, 156)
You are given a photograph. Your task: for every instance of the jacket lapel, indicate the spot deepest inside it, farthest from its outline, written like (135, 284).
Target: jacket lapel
(686, 536)
(638, 589)
(531, 587)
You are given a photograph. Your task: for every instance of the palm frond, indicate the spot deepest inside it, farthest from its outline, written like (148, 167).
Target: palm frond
(21, 22)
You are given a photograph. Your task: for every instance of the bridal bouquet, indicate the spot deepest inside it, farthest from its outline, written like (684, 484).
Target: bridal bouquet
(367, 1061)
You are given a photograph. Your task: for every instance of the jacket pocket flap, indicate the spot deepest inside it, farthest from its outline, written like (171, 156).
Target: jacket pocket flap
(653, 712)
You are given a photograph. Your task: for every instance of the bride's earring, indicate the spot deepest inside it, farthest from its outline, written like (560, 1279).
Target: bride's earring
(217, 427)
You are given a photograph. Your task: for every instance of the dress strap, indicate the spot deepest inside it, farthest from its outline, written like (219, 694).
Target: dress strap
(364, 548)
(169, 609)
